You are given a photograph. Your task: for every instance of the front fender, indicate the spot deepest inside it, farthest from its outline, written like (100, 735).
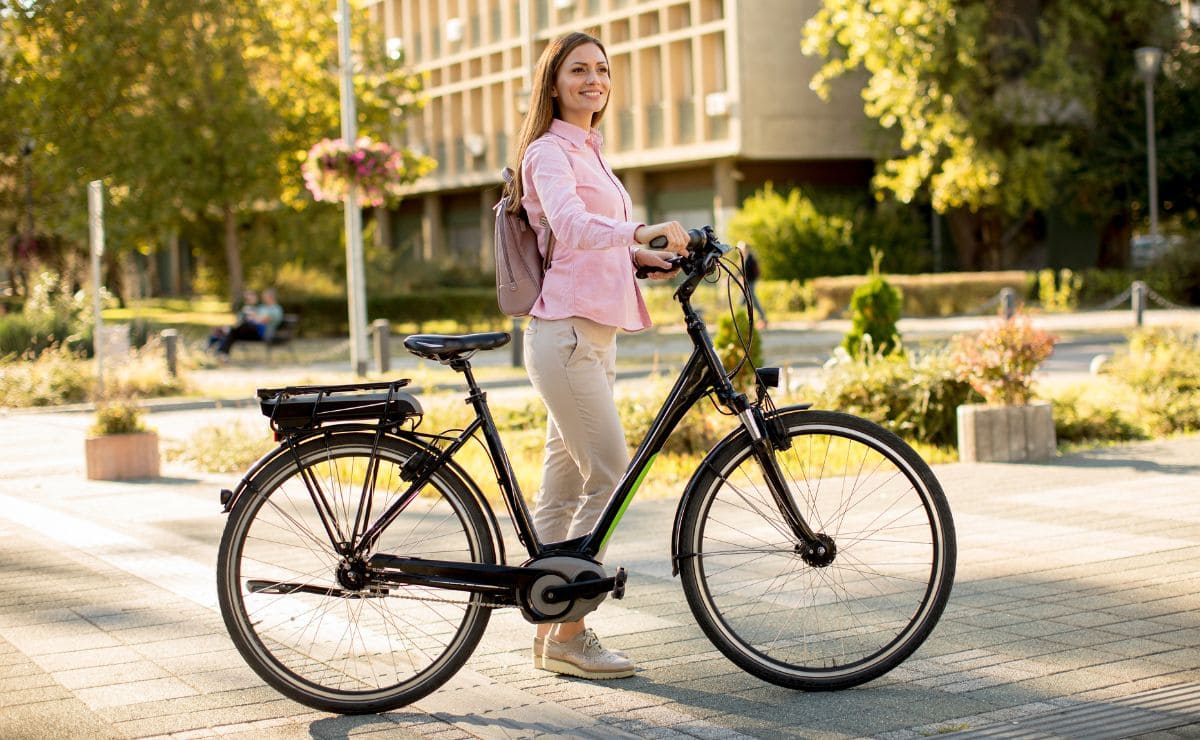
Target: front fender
(738, 436)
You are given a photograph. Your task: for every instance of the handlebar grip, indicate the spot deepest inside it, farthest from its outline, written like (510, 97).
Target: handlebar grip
(644, 272)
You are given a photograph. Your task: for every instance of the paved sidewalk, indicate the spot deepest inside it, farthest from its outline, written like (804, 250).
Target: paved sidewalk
(1076, 612)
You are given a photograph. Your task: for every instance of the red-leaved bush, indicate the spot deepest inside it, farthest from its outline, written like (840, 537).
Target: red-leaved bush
(999, 361)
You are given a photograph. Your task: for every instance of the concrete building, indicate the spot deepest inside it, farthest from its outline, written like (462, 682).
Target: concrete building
(710, 101)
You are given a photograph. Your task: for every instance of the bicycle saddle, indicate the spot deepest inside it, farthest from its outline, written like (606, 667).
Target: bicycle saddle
(451, 346)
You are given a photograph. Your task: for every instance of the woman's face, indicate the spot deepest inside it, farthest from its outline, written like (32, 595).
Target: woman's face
(582, 85)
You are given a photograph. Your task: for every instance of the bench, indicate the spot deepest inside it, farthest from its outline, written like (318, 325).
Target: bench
(283, 335)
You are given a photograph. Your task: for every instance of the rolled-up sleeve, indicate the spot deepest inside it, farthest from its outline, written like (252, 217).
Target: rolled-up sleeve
(549, 171)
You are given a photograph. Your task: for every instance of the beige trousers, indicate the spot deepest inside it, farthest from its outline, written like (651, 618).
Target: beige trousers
(572, 364)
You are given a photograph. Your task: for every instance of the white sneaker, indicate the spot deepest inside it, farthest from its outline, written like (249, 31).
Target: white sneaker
(539, 649)
(585, 657)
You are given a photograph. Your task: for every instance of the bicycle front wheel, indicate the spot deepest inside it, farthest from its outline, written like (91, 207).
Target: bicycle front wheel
(292, 604)
(818, 624)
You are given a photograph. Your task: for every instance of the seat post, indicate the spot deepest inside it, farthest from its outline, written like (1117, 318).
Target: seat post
(463, 365)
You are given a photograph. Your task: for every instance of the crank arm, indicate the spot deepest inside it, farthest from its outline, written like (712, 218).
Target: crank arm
(587, 589)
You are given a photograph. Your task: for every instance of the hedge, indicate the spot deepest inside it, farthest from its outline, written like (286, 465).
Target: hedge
(939, 294)
(327, 315)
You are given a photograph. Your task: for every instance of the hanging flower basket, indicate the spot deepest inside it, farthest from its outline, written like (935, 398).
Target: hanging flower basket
(376, 170)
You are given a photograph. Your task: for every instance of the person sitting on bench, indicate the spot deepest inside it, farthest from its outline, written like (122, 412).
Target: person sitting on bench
(256, 324)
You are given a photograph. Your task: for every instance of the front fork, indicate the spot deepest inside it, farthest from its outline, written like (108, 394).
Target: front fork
(765, 442)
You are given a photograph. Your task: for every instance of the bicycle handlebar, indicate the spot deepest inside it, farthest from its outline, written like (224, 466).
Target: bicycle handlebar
(703, 250)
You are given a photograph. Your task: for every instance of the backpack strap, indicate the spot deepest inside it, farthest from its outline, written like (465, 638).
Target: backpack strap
(508, 175)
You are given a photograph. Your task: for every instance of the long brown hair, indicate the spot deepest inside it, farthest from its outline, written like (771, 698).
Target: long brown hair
(543, 106)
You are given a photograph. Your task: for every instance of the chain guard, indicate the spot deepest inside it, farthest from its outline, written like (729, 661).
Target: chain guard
(564, 569)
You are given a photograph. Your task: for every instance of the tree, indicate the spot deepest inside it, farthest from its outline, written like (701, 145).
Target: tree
(992, 103)
(195, 113)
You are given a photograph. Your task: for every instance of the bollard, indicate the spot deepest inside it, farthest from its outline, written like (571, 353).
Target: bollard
(1137, 298)
(381, 332)
(518, 344)
(170, 338)
(1008, 302)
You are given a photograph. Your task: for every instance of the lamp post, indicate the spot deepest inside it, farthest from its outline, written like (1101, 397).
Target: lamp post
(355, 278)
(1148, 59)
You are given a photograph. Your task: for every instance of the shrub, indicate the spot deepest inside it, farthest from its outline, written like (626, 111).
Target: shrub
(1163, 367)
(915, 396)
(326, 315)
(999, 361)
(874, 311)
(792, 238)
(942, 294)
(1158, 360)
(1060, 295)
(117, 417)
(798, 237)
(58, 375)
(223, 448)
(1078, 417)
(734, 334)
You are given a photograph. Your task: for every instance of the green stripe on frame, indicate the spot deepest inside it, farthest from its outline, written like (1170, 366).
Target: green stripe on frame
(621, 512)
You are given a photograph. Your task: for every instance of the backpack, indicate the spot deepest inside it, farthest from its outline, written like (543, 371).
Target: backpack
(519, 265)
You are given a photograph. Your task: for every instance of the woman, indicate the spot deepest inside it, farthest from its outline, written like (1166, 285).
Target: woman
(588, 293)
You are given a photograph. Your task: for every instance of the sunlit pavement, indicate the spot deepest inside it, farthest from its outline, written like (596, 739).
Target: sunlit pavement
(1076, 613)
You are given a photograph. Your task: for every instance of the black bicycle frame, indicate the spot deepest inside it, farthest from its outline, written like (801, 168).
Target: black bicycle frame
(701, 375)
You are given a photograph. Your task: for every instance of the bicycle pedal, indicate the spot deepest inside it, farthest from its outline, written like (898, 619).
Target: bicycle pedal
(619, 584)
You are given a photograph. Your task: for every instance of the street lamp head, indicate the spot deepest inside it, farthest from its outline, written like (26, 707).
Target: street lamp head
(1148, 59)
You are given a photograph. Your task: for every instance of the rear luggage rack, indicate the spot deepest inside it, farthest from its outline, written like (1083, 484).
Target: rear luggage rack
(301, 408)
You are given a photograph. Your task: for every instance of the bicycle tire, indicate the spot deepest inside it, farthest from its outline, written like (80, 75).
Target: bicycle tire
(312, 639)
(795, 624)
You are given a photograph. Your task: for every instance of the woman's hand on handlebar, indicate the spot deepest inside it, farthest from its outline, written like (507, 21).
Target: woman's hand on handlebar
(669, 236)
(653, 263)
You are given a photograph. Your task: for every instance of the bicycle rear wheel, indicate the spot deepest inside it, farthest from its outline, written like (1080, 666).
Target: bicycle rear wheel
(305, 628)
(822, 625)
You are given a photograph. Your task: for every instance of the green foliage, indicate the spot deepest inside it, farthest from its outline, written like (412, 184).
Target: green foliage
(60, 375)
(999, 361)
(915, 396)
(1063, 296)
(117, 417)
(797, 237)
(986, 105)
(734, 334)
(194, 114)
(326, 315)
(1159, 360)
(874, 312)
(998, 111)
(1162, 368)
(224, 448)
(1080, 417)
(55, 376)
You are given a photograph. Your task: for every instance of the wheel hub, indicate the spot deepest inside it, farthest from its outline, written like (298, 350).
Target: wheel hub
(821, 554)
(352, 574)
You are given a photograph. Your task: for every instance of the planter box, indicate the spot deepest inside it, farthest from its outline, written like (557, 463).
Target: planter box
(1005, 433)
(122, 456)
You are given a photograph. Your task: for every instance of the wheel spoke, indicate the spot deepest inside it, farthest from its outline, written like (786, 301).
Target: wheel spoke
(797, 620)
(311, 638)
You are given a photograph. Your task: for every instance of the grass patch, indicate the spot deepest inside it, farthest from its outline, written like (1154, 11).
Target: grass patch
(60, 375)
(223, 448)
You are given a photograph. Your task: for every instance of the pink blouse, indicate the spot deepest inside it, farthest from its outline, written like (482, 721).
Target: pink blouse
(566, 180)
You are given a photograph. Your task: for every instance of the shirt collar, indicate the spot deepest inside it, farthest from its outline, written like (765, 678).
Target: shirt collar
(577, 136)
